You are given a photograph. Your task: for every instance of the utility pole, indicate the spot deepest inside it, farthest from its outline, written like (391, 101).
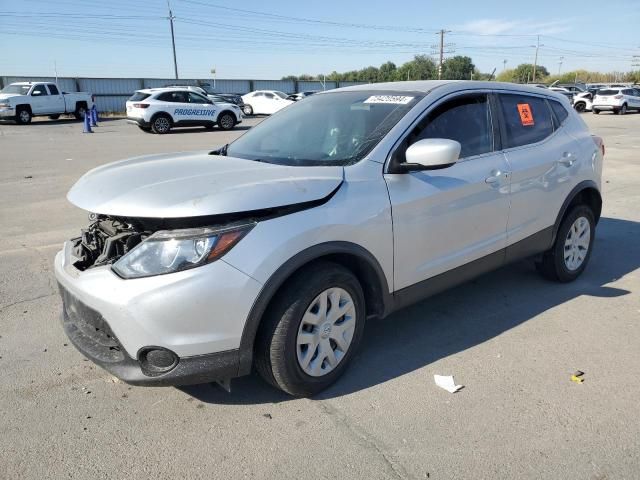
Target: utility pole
(440, 50)
(560, 64)
(173, 41)
(504, 64)
(535, 61)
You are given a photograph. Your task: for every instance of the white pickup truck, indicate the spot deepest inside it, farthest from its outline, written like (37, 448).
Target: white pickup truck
(22, 101)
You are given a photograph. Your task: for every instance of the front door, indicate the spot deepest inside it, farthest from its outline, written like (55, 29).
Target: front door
(446, 218)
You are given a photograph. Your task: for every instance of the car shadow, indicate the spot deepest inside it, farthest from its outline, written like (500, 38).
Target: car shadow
(458, 319)
(40, 121)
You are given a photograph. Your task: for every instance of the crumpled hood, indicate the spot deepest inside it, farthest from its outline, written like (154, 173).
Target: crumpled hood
(196, 184)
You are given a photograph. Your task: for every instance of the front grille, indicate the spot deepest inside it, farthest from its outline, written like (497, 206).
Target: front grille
(88, 330)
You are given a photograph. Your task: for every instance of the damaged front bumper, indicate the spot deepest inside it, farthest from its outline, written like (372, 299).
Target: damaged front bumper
(197, 316)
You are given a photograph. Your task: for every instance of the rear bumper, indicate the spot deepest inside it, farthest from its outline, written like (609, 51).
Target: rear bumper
(92, 336)
(141, 122)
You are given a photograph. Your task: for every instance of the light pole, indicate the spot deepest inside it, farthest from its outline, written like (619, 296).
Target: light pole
(173, 41)
(560, 64)
(213, 75)
(535, 61)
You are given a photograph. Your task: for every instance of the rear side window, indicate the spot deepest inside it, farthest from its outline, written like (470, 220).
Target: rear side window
(627, 91)
(53, 89)
(559, 111)
(606, 92)
(527, 119)
(139, 96)
(465, 119)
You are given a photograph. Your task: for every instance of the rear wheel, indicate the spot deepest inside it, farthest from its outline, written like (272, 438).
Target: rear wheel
(596, 111)
(311, 330)
(247, 109)
(226, 121)
(80, 111)
(23, 116)
(623, 110)
(161, 124)
(570, 253)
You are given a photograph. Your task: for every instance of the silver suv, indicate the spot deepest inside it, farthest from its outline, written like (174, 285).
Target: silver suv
(274, 250)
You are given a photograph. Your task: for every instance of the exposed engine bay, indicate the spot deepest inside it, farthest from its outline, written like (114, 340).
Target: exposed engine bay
(105, 240)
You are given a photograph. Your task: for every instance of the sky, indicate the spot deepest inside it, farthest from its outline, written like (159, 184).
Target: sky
(271, 39)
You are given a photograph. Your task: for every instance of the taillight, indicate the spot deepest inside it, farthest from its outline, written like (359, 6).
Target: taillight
(617, 97)
(141, 105)
(599, 143)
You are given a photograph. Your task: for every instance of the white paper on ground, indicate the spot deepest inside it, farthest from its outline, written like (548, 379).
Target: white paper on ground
(447, 382)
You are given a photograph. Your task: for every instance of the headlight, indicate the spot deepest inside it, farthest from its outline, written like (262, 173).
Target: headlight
(5, 105)
(170, 251)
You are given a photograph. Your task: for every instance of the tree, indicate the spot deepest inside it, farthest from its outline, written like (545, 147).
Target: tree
(458, 68)
(387, 72)
(523, 73)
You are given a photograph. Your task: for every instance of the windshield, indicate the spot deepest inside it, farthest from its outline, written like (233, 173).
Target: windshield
(337, 128)
(281, 95)
(19, 89)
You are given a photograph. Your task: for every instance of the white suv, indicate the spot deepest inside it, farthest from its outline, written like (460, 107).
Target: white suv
(273, 250)
(158, 110)
(616, 100)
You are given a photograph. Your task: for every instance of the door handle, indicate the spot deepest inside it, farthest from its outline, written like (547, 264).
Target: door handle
(495, 177)
(567, 159)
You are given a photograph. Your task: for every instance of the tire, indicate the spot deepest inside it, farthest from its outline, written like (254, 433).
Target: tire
(247, 109)
(80, 110)
(145, 129)
(23, 116)
(161, 124)
(623, 110)
(226, 121)
(580, 107)
(282, 356)
(54, 117)
(562, 262)
(596, 111)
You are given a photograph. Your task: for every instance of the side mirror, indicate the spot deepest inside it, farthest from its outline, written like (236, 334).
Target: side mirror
(431, 154)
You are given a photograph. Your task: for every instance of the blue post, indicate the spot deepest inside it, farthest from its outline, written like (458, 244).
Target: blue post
(94, 116)
(87, 122)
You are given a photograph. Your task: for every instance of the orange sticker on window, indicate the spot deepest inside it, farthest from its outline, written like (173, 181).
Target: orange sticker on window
(526, 117)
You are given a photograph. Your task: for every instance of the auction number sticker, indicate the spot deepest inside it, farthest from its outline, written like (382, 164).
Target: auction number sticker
(395, 99)
(526, 117)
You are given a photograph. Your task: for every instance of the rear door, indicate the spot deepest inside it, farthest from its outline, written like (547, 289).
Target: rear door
(446, 218)
(56, 100)
(543, 159)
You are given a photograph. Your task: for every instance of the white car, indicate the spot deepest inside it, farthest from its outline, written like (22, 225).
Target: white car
(264, 102)
(274, 250)
(616, 100)
(582, 102)
(22, 101)
(158, 110)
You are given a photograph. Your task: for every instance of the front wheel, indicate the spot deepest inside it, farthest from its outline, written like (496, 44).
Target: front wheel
(570, 253)
(311, 330)
(247, 109)
(596, 112)
(580, 107)
(23, 116)
(226, 121)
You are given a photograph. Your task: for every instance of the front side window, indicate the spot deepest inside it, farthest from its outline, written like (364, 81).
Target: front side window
(527, 119)
(53, 89)
(269, 96)
(39, 91)
(281, 95)
(196, 98)
(465, 119)
(338, 128)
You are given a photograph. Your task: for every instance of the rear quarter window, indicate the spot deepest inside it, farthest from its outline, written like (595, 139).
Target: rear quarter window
(559, 111)
(139, 96)
(527, 119)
